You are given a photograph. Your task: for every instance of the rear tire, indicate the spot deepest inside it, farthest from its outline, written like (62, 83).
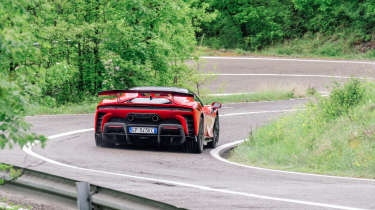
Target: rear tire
(98, 140)
(200, 138)
(196, 145)
(216, 130)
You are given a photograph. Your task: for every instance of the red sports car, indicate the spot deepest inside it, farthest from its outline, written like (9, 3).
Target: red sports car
(157, 116)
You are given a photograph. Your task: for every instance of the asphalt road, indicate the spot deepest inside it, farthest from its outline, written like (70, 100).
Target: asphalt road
(199, 181)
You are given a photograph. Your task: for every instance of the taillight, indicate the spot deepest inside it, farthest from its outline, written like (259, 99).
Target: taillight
(170, 127)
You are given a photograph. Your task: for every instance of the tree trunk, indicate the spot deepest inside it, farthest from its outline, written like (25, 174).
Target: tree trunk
(98, 70)
(80, 67)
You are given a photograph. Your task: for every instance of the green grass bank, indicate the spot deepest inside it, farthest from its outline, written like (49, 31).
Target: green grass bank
(334, 135)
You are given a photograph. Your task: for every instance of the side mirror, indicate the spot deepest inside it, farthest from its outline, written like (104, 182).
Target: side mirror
(216, 105)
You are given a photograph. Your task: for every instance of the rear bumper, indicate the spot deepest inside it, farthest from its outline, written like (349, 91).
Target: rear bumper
(118, 133)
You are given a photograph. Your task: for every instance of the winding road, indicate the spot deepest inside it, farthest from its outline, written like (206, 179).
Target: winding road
(201, 181)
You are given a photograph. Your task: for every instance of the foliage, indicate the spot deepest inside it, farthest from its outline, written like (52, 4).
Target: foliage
(71, 49)
(333, 135)
(342, 99)
(256, 24)
(11, 171)
(13, 129)
(341, 45)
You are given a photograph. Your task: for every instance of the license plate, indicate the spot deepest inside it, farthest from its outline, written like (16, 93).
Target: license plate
(144, 130)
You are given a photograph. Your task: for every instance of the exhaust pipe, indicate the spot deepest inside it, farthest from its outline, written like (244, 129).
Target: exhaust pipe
(155, 118)
(131, 118)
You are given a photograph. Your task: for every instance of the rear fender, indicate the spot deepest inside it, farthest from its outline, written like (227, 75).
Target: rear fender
(209, 120)
(197, 118)
(183, 123)
(105, 120)
(96, 119)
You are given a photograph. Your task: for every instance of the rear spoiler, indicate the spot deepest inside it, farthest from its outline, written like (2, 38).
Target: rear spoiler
(118, 92)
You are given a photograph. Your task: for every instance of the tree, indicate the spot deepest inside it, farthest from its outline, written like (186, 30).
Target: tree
(97, 44)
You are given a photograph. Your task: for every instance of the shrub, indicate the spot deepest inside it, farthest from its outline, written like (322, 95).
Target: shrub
(13, 129)
(342, 99)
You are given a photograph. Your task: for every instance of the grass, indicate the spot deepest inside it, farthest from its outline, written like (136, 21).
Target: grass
(334, 135)
(90, 106)
(338, 46)
(74, 108)
(251, 97)
(8, 205)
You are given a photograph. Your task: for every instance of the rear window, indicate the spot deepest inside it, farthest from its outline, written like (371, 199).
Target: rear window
(150, 101)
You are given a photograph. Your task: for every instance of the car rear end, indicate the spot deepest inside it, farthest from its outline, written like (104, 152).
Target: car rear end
(125, 121)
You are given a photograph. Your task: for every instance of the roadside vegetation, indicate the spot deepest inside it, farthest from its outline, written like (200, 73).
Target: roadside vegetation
(338, 46)
(8, 205)
(309, 46)
(250, 97)
(339, 29)
(13, 129)
(334, 135)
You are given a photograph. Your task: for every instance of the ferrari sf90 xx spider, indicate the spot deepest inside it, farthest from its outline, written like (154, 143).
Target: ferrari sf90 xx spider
(157, 116)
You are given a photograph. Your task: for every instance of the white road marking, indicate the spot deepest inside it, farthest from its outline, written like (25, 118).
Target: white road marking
(222, 148)
(293, 75)
(70, 133)
(28, 149)
(288, 59)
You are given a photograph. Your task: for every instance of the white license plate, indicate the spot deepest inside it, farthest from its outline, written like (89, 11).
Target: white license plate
(144, 130)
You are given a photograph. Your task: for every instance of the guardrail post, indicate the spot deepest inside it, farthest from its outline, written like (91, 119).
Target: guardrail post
(83, 196)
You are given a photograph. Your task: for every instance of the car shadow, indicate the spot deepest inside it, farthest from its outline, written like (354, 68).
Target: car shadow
(151, 148)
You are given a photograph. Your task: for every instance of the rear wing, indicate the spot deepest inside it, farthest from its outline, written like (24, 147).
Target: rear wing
(119, 92)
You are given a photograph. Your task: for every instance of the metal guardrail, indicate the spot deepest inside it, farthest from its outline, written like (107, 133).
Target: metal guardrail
(86, 195)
